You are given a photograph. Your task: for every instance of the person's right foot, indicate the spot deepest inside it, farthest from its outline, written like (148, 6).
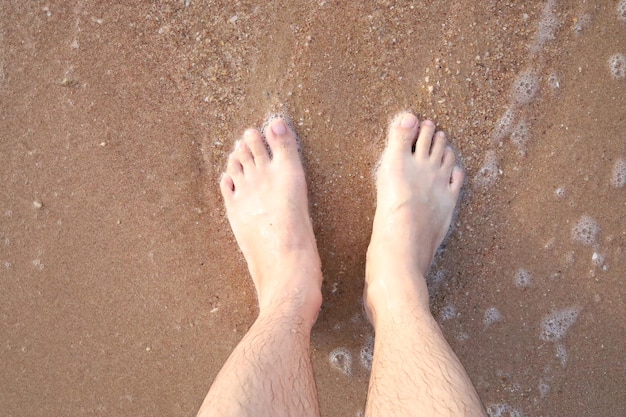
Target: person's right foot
(416, 196)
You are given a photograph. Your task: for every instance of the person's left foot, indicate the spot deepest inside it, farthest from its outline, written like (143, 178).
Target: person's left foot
(267, 207)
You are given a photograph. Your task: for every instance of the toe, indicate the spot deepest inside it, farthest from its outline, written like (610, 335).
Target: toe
(227, 186)
(234, 170)
(244, 154)
(449, 158)
(282, 140)
(402, 132)
(438, 148)
(424, 140)
(256, 144)
(234, 167)
(456, 180)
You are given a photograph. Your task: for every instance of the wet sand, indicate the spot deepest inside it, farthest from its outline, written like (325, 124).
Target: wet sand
(123, 291)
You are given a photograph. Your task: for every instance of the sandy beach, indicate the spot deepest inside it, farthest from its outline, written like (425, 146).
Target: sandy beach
(123, 290)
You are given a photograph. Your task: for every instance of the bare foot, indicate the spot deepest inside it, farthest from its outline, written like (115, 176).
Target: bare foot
(266, 203)
(416, 195)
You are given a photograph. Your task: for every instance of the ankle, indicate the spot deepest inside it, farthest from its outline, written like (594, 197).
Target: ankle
(395, 254)
(398, 311)
(296, 316)
(296, 305)
(395, 292)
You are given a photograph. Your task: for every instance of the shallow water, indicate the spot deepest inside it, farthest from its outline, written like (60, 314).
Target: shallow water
(123, 290)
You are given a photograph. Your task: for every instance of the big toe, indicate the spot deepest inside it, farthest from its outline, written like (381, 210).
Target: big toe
(282, 140)
(403, 133)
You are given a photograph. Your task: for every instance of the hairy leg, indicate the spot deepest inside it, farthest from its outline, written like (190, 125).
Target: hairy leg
(269, 373)
(415, 372)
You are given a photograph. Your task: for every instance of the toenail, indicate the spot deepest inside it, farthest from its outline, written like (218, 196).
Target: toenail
(408, 121)
(279, 127)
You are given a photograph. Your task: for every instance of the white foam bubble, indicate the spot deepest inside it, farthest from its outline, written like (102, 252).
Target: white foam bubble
(520, 135)
(488, 173)
(492, 315)
(525, 86)
(497, 410)
(448, 312)
(462, 336)
(560, 192)
(522, 278)
(597, 259)
(617, 66)
(341, 359)
(366, 355)
(503, 125)
(585, 231)
(503, 410)
(618, 177)
(561, 354)
(548, 24)
(621, 10)
(555, 325)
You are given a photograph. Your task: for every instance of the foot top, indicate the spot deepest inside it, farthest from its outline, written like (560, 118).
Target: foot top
(418, 184)
(266, 202)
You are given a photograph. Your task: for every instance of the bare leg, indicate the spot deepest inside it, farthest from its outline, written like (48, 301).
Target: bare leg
(415, 372)
(269, 373)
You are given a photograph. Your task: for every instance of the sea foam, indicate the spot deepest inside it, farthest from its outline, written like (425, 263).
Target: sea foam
(525, 87)
(617, 66)
(555, 325)
(522, 278)
(618, 177)
(585, 231)
(341, 359)
(621, 10)
(366, 355)
(492, 315)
